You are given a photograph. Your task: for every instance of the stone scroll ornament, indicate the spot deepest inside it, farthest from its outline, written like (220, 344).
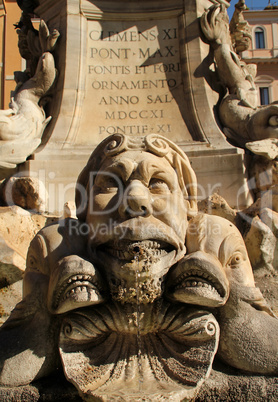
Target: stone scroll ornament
(242, 118)
(23, 124)
(138, 296)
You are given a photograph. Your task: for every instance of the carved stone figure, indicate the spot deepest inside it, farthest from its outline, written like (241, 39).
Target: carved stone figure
(130, 296)
(240, 29)
(242, 118)
(22, 125)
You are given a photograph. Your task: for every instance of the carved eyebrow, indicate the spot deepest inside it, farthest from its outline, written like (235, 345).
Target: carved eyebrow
(146, 170)
(149, 169)
(123, 168)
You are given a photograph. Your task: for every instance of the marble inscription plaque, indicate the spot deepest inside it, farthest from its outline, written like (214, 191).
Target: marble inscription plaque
(133, 80)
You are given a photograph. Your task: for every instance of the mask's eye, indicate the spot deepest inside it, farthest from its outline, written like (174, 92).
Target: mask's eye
(32, 263)
(106, 183)
(110, 183)
(157, 185)
(236, 259)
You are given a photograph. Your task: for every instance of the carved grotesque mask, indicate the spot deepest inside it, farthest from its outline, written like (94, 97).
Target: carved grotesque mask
(137, 215)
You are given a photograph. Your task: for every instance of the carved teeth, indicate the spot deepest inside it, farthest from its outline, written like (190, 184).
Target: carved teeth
(191, 279)
(78, 289)
(79, 283)
(193, 283)
(127, 250)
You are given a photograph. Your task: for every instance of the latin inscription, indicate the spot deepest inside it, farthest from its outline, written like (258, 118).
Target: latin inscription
(133, 78)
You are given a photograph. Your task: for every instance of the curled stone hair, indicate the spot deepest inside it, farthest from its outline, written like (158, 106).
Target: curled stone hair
(153, 143)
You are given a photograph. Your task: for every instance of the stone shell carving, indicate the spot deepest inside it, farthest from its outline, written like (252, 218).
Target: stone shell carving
(171, 358)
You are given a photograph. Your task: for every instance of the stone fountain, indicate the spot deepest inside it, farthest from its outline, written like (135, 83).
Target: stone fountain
(141, 297)
(136, 296)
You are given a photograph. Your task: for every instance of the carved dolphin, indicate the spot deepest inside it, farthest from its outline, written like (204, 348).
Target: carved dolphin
(248, 327)
(22, 125)
(56, 273)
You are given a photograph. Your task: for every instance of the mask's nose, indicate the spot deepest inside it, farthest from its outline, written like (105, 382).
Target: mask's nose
(136, 200)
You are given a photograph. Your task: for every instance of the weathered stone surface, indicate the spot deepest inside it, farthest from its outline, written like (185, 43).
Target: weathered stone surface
(9, 297)
(262, 233)
(233, 387)
(131, 75)
(27, 393)
(217, 205)
(261, 243)
(267, 148)
(263, 175)
(268, 200)
(240, 317)
(26, 192)
(267, 282)
(52, 389)
(17, 229)
(69, 210)
(238, 388)
(270, 218)
(12, 264)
